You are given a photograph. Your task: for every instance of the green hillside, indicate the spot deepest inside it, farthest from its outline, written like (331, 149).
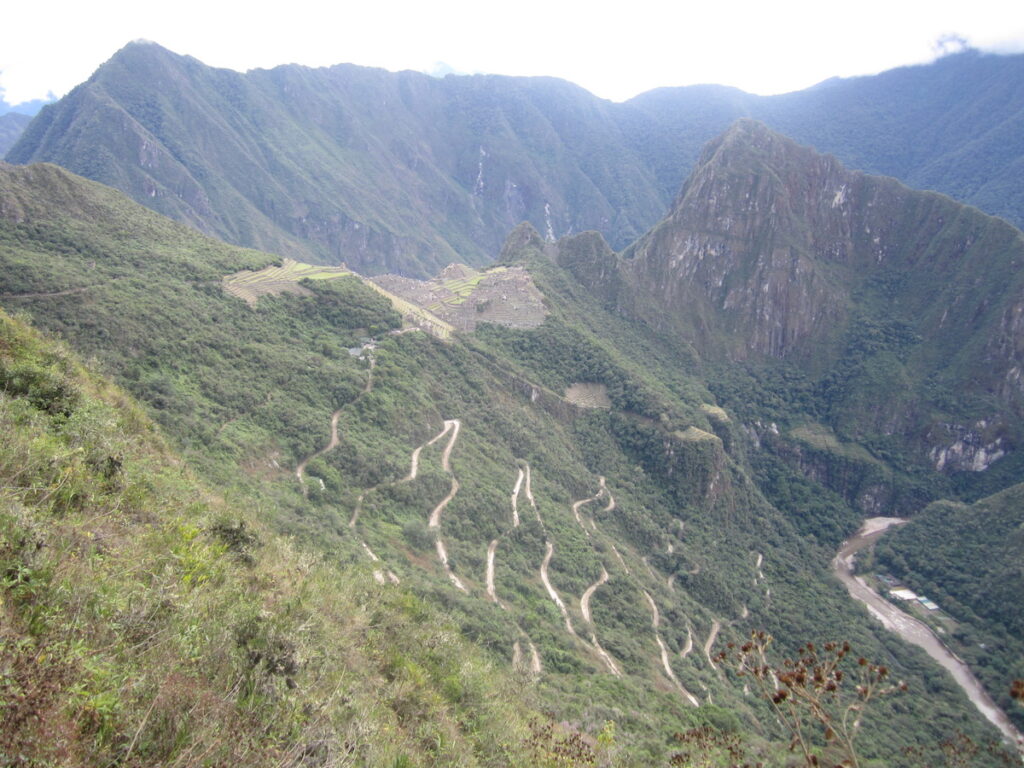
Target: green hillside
(404, 173)
(967, 558)
(453, 477)
(148, 620)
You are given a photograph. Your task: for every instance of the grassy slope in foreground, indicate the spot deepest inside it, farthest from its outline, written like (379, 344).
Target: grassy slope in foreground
(146, 621)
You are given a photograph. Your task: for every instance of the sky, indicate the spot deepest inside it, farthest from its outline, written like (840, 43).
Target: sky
(615, 50)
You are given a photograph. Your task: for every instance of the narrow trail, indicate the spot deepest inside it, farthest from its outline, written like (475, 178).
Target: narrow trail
(490, 572)
(689, 644)
(435, 516)
(379, 574)
(665, 663)
(608, 660)
(413, 472)
(585, 600)
(549, 551)
(515, 498)
(655, 616)
(576, 510)
(610, 506)
(442, 555)
(300, 469)
(715, 626)
(535, 665)
(672, 675)
(529, 494)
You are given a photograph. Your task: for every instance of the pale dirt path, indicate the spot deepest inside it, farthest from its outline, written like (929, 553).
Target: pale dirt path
(576, 510)
(666, 665)
(379, 574)
(715, 626)
(300, 469)
(442, 555)
(435, 516)
(689, 644)
(529, 494)
(655, 616)
(535, 665)
(515, 498)
(457, 425)
(912, 630)
(585, 600)
(550, 550)
(672, 675)
(605, 657)
(490, 572)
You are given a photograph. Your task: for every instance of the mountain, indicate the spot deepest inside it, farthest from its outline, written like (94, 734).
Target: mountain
(898, 310)
(386, 172)
(11, 126)
(569, 494)
(402, 172)
(952, 126)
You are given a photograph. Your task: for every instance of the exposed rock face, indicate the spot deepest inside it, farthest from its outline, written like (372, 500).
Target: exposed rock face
(913, 303)
(972, 449)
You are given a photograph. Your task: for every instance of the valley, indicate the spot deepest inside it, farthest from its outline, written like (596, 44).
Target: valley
(912, 630)
(535, 499)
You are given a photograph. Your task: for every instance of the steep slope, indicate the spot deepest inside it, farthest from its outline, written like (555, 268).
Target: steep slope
(386, 172)
(967, 559)
(900, 310)
(251, 393)
(147, 621)
(405, 173)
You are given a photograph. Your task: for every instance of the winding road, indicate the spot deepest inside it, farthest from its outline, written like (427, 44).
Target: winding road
(913, 630)
(585, 600)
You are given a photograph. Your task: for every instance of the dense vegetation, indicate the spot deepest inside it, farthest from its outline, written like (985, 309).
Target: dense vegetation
(248, 394)
(149, 621)
(404, 172)
(968, 559)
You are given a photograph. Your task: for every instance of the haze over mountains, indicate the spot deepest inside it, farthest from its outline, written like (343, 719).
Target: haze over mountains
(622, 449)
(403, 172)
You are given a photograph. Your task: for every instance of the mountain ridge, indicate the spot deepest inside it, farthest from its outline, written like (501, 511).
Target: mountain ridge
(405, 173)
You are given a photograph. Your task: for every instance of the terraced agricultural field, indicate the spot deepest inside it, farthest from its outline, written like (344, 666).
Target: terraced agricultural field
(272, 280)
(249, 285)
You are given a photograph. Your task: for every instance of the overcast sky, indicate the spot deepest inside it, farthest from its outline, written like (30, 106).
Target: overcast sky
(615, 50)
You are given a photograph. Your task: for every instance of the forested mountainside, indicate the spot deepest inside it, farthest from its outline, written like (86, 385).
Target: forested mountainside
(897, 313)
(401, 172)
(968, 559)
(603, 555)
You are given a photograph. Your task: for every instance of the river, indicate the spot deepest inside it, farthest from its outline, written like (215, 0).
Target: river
(912, 630)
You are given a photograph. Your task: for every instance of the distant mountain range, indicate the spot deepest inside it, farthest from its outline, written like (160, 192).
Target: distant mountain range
(402, 172)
